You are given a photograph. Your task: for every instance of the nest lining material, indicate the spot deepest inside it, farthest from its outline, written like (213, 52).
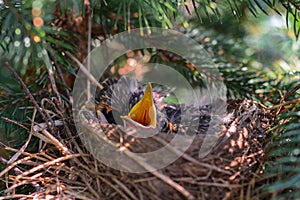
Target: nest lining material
(64, 169)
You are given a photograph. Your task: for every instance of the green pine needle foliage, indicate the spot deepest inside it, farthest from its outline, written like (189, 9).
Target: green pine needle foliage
(29, 48)
(284, 160)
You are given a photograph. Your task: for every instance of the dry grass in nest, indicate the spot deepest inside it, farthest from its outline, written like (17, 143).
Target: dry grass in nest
(63, 169)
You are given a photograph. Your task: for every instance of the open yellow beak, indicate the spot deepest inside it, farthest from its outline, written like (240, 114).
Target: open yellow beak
(143, 114)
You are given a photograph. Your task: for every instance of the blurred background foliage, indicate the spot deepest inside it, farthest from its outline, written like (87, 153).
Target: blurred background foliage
(253, 43)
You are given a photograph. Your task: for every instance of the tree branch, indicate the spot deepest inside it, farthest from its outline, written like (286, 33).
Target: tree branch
(39, 109)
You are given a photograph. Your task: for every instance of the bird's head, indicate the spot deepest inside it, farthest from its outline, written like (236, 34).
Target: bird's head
(143, 114)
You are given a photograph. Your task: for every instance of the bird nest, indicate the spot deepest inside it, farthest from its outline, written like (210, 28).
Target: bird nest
(64, 169)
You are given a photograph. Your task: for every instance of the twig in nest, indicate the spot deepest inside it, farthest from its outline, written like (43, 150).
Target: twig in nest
(35, 156)
(47, 164)
(115, 188)
(292, 102)
(125, 188)
(282, 102)
(28, 93)
(287, 95)
(140, 161)
(41, 126)
(12, 166)
(87, 5)
(191, 159)
(14, 122)
(60, 75)
(56, 142)
(85, 71)
(172, 183)
(19, 196)
(51, 74)
(62, 113)
(16, 169)
(22, 149)
(52, 139)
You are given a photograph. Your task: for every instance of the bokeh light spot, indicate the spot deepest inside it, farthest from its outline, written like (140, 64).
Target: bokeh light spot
(38, 22)
(36, 39)
(18, 31)
(36, 12)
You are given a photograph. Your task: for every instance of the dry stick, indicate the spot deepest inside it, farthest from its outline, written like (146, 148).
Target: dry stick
(292, 91)
(41, 126)
(35, 156)
(115, 188)
(189, 158)
(76, 195)
(167, 180)
(49, 163)
(283, 98)
(51, 74)
(12, 166)
(14, 122)
(125, 188)
(151, 195)
(146, 166)
(89, 34)
(60, 75)
(22, 149)
(295, 101)
(41, 136)
(57, 143)
(53, 84)
(88, 185)
(60, 145)
(249, 191)
(85, 71)
(51, 138)
(96, 169)
(139, 192)
(223, 185)
(16, 169)
(128, 17)
(48, 113)
(67, 129)
(24, 182)
(19, 196)
(28, 93)
(220, 185)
